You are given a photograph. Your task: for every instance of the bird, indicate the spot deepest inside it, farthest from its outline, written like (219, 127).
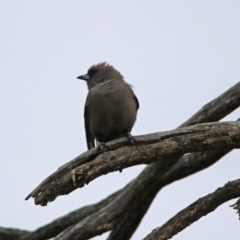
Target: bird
(111, 106)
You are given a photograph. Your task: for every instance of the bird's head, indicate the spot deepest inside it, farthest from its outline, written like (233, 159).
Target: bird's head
(100, 73)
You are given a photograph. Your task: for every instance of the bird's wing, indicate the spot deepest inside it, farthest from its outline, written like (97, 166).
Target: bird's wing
(136, 100)
(89, 137)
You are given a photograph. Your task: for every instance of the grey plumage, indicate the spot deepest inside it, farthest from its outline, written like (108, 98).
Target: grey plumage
(111, 106)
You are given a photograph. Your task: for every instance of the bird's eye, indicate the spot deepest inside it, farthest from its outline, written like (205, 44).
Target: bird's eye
(92, 72)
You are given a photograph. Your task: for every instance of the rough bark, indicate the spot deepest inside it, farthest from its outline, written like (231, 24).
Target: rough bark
(133, 201)
(195, 211)
(153, 147)
(186, 166)
(213, 111)
(12, 233)
(57, 226)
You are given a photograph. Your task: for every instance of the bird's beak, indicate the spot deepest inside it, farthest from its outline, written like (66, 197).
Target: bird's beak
(84, 77)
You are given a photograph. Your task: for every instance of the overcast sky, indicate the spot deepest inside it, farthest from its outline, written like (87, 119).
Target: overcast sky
(178, 55)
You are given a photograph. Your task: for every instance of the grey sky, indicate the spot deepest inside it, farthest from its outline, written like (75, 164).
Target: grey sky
(178, 55)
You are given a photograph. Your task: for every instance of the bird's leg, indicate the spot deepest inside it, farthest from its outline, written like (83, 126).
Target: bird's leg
(130, 138)
(101, 146)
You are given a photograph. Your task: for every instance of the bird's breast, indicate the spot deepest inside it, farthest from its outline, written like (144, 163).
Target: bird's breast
(112, 111)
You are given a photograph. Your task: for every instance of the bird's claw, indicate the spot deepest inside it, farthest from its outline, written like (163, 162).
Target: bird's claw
(131, 139)
(102, 146)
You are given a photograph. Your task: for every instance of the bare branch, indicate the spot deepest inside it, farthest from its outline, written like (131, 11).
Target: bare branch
(12, 233)
(213, 111)
(104, 222)
(217, 108)
(195, 211)
(187, 165)
(52, 229)
(210, 136)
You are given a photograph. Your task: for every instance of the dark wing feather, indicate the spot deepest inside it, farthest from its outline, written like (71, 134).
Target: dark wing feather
(136, 100)
(89, 137)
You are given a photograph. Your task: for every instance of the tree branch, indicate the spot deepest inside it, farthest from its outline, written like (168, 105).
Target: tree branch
(218, 108)
(52, 229)
(210, 136)
(213, 111)
(106, 218)
(195, 211)
(12, 233)
(186, 166)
